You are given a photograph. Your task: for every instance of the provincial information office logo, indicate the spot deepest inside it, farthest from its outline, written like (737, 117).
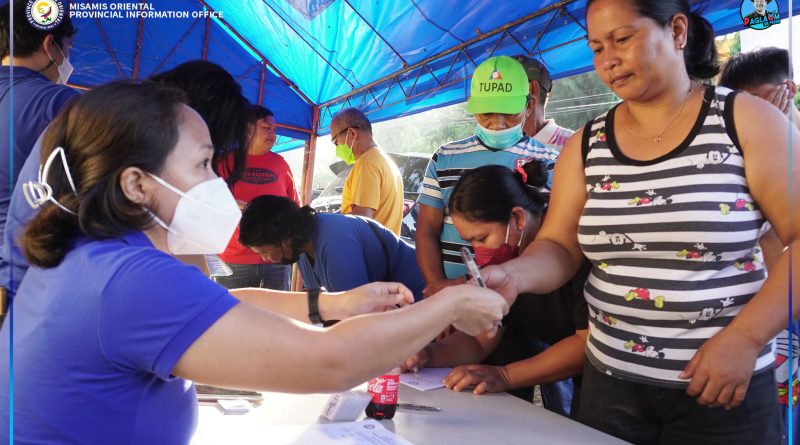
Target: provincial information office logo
(44, 14)
(759, 14)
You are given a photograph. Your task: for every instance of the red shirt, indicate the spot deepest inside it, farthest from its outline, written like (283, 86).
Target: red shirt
(266, 174)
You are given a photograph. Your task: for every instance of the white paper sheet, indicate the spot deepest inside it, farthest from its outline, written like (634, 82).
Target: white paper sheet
(426, 379)
(365, 432)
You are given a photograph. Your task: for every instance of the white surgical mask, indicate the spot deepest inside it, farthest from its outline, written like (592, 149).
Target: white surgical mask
(205, 218)
(65, 69)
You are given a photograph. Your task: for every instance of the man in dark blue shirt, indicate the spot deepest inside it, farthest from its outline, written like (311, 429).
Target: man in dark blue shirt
(334, 251)
(39, 73)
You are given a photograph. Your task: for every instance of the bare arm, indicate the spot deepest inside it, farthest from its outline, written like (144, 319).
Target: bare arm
(373, 297)
(252, 348)
(554, 256)
(562, 360)
(362, 211)
(722, 367)
(456, 349)
(558, 362)
(429, 251)
(771, 248)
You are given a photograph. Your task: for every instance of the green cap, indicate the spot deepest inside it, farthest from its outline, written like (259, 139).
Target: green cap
(499, 85)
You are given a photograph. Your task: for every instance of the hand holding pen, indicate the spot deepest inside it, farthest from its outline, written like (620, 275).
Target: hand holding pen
(472, 267)
(474, 271)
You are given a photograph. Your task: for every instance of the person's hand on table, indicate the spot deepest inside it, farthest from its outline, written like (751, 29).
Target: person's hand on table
(721, 369)
(484, 378)
(417, 361)
(372, 297)
(497, 278)
(436, 286)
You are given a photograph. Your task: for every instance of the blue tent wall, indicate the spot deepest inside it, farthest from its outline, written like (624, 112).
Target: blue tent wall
(395, 52)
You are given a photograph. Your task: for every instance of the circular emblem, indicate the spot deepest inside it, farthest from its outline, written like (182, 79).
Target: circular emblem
(44, 14)
(759, 14)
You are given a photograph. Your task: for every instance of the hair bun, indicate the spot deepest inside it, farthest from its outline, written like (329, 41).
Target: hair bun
(532, 172)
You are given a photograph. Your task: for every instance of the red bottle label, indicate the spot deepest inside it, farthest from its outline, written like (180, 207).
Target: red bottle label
(384, 389)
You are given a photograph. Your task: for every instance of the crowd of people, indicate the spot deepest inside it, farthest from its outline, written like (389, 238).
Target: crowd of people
(637, 271)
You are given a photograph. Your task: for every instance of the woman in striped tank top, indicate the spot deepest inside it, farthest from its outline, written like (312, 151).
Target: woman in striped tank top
(666, 195)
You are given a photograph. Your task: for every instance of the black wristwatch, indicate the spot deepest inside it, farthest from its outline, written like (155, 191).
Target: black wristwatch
(313, 307)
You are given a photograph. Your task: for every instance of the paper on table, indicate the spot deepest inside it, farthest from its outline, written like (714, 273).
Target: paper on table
(426, 379)
(365, 432)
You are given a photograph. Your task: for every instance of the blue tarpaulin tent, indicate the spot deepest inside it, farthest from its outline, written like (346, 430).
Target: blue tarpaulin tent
(307, 59)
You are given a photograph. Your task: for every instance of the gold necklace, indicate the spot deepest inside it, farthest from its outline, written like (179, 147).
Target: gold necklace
(657, 138)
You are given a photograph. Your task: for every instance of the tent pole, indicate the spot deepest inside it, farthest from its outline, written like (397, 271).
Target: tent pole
(138, 57)
(308, 161)
(291, 84)
(261, 84)
(292, 127)
(108, 47)
(206, 36)
(308, 182)
(172, 51)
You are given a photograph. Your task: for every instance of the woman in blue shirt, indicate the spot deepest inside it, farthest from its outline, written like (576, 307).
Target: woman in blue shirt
(109, 329)
(334, 251)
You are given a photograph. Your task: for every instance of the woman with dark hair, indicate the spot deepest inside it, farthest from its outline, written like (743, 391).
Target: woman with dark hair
(110, 329)
(334, 251)
(217, 96)
(499, 211)
(209, 89)
(666, 194)
(265, 173)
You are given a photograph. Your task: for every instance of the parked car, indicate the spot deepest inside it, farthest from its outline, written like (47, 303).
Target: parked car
(412, 167)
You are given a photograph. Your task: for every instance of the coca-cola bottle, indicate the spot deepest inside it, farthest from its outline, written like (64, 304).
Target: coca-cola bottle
(383, 390)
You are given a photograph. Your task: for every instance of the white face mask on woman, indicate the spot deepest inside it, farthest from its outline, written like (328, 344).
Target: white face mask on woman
(205, 218)
(65, 69)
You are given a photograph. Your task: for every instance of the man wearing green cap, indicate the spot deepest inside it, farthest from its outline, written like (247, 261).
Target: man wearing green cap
(503, 102)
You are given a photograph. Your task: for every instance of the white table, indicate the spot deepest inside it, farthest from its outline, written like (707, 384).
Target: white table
(465, 419)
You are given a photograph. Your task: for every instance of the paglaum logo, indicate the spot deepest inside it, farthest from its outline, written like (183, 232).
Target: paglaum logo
(44, 14)
(759, 14)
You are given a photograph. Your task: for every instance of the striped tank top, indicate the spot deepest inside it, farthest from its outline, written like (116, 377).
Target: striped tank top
(674, 246)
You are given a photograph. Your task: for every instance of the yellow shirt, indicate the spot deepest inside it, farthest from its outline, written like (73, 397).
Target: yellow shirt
(375, 182)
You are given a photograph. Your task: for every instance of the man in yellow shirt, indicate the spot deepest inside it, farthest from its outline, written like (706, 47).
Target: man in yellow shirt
(374, 188)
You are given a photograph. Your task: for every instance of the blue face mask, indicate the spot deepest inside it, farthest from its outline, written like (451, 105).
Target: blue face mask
(499, 139)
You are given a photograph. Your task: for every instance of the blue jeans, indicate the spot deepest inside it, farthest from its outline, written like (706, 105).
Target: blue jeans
(270, 276)
(647, 414)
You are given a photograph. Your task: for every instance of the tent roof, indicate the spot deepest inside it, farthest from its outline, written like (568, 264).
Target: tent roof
(389, 58)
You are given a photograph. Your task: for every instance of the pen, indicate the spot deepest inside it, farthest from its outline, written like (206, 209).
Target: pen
(414, 407)
(472, 267)
(474, 271)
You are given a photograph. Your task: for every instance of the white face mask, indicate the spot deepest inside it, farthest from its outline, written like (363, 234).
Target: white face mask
(205, 218)
(65, 69)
